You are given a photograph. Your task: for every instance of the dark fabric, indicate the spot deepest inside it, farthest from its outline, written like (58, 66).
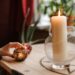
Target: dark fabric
(11, 19)
(16, 73)
(12, 13)
(28, 4)
(3, 71)
(0, 57)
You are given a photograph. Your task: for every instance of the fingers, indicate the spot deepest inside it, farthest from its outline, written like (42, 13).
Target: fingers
(27, 46)
(15, 45)
(5, 49)
(6, 54)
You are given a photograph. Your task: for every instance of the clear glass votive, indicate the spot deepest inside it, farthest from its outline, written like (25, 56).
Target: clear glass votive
(49, 53)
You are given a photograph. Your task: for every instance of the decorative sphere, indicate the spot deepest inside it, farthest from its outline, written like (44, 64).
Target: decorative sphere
(19, 54)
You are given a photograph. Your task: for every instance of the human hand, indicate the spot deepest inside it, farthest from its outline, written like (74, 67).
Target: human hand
(27, 47)
(5, 49)
(21, 54)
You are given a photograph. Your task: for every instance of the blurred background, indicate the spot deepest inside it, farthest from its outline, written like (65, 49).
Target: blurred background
(44, 9)
(29, 20)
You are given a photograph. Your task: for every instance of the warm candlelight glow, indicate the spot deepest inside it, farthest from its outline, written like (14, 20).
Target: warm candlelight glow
(59, 13)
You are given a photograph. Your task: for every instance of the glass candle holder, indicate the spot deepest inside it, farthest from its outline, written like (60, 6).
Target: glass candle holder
(63, 67)
(59, 64)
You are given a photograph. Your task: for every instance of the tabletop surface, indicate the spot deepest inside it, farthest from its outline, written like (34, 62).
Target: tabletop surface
(31, 66)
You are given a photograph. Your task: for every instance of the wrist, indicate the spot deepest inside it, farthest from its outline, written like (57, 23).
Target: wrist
(0, 53)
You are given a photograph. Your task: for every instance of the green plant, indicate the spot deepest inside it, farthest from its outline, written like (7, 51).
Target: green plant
(28, 31)
(66, 5)
(27, 34)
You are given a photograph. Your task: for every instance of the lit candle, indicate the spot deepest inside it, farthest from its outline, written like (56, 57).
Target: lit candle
(59, 37)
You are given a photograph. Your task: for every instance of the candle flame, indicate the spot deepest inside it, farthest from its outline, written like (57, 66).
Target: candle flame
(59, 13)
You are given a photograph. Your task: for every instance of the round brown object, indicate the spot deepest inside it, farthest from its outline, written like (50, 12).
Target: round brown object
(19, 54)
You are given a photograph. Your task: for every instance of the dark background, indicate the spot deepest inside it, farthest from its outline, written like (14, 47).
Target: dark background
(10, 20)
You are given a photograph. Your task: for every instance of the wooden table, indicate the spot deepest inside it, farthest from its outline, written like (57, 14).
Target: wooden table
(31, 66)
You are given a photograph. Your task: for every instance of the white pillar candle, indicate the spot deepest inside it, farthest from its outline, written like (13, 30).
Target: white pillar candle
(59, 37)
